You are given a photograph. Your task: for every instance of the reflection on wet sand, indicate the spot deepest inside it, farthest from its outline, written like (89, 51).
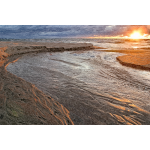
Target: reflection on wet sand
(137, 57)
(92, 85)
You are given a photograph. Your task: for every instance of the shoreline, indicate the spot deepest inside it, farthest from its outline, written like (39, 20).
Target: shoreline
(137, 59)
(21, 102)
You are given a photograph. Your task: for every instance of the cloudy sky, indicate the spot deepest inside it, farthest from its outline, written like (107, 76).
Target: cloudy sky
(56, 31)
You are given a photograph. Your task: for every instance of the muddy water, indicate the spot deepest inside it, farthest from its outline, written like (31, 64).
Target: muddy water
(92, 85)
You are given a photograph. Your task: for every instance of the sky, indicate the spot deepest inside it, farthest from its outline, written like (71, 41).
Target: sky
(73, 31)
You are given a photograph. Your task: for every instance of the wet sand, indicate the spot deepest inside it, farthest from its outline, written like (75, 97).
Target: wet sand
(92, 85)
(74, 87)
(137, 59)
(48, 45)
(20, 101)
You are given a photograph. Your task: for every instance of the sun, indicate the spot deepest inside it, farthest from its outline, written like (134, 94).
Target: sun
(136, 35)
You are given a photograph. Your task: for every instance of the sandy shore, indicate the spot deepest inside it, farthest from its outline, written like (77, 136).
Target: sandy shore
(138, 59)
(20, 101)
(48, 45)
(28, 47)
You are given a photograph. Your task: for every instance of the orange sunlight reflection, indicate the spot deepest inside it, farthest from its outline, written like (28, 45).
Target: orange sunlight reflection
(136, 35)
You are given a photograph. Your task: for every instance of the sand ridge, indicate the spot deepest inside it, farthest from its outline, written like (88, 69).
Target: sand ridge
(47, 44)
(138, 59)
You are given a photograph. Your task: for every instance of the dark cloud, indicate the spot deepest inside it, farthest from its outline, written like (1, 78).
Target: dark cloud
(54, 31)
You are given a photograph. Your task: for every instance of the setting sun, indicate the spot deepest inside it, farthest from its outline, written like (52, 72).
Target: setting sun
(136, 35)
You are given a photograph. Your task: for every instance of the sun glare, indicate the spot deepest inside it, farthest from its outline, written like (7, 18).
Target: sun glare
(136, 35)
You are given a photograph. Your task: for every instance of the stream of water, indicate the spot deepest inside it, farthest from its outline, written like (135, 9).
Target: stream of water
(92, 85)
